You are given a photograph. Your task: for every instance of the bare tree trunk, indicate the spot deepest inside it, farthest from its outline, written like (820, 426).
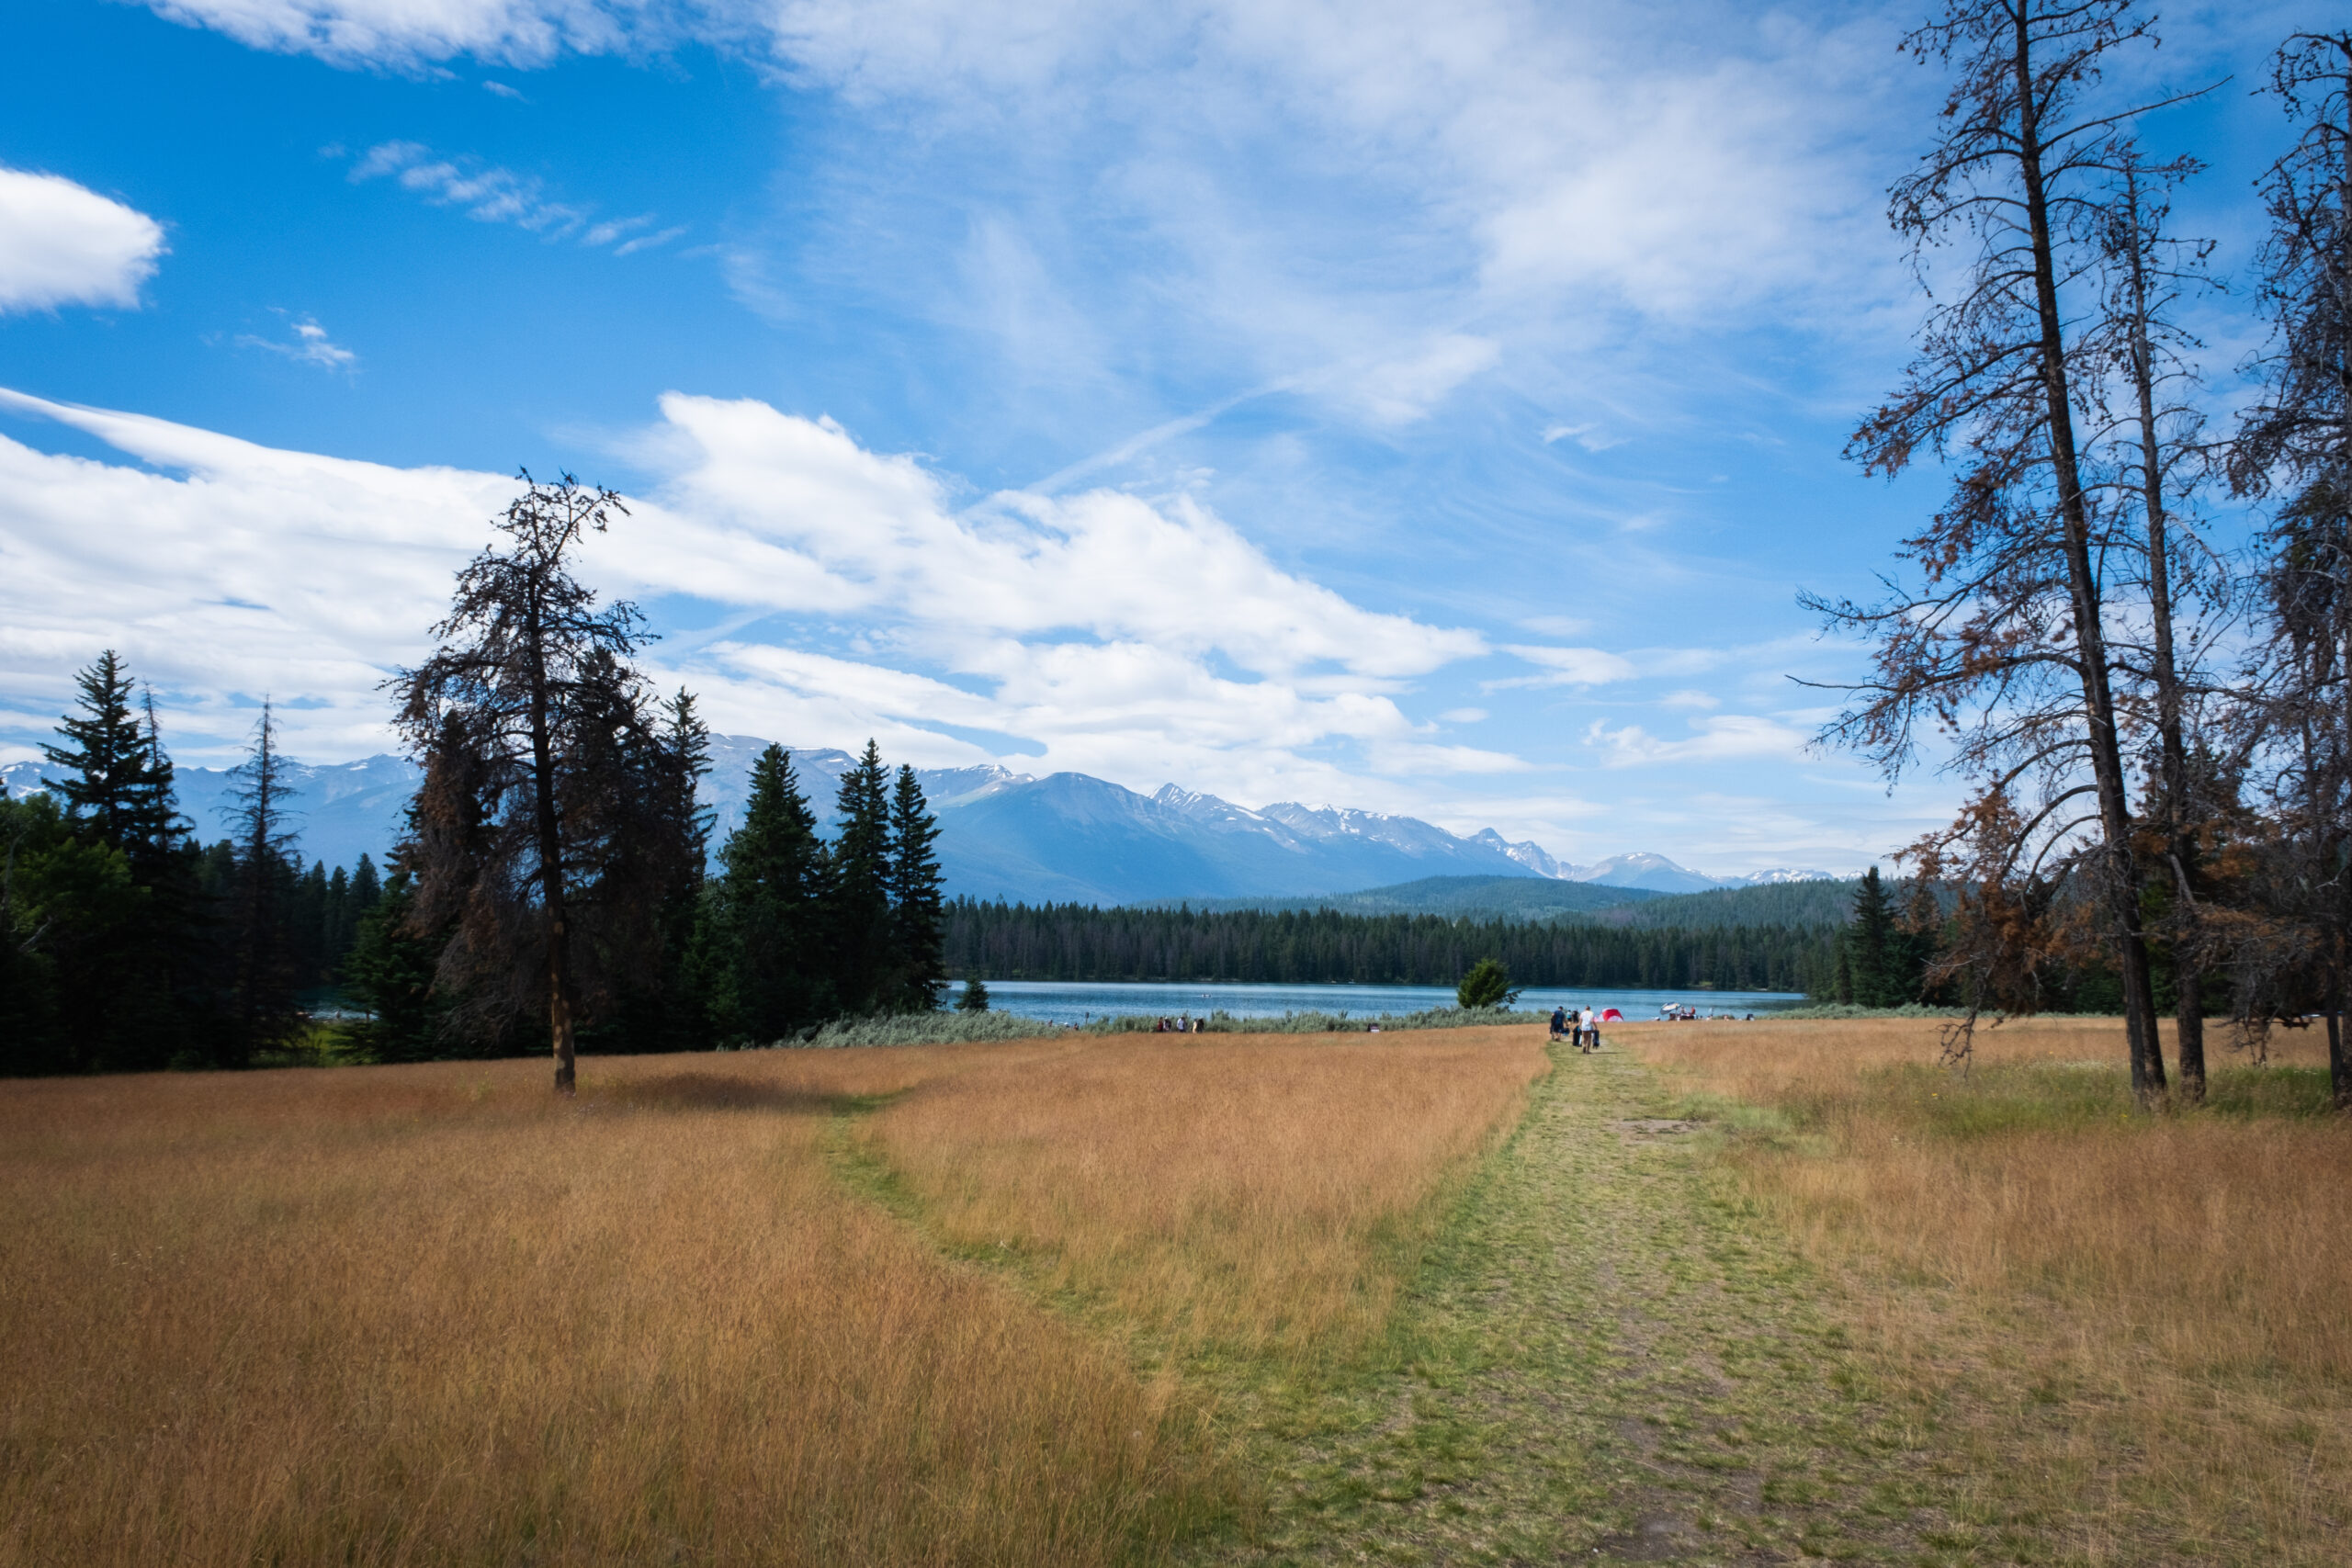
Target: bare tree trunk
(560, 1026)
(2340, 1060)
(2188, 1012)
(2090, 641)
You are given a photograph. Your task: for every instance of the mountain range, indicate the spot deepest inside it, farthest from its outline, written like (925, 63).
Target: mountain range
(1064, 837)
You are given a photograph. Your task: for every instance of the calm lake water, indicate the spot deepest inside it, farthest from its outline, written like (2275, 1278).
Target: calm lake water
(1076, 1001)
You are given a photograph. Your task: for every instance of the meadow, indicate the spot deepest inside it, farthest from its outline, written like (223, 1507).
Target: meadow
(1105, 1299)
(2132, 1334)
(430, 1315)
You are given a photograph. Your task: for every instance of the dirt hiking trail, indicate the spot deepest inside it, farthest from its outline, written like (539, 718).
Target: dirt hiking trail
(1609, 1358)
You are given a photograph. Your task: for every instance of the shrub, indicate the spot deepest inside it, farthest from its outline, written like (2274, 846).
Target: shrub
(1487, 985)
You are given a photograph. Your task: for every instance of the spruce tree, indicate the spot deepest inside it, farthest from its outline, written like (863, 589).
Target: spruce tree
(262, 1012)
(366, 888)
(764, 927)
(860, 903)
(1870, 941)
(917, 918)
(390, 977)
(136, 986)
(336, 926)
(120, 789)
(974, 997)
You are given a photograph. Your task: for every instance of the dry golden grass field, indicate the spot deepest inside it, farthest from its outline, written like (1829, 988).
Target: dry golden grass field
(952, 1305)
(2138, 1328)
(431, 1314)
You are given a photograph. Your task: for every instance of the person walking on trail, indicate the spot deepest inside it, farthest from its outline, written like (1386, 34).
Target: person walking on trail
(1588, 1031)
(1559, 1023)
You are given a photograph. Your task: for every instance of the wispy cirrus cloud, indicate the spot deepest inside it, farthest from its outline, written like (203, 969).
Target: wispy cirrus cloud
(407, 34)
(1568, 667)
(489, 193)
(306, 342)
(1721, 738)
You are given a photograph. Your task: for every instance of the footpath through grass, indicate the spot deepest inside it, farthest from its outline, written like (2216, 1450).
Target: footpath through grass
(1607, 1358)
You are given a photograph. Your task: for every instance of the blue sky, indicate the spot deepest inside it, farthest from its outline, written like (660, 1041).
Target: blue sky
(1430, 410)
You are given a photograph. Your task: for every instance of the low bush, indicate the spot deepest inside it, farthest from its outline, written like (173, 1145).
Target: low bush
(964, 1027)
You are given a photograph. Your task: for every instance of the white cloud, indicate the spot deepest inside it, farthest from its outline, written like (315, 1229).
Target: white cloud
(63, 244)
(307, 344)
(1729, 737)
(1540, 151)
(647, 242)
(1401, 391)
(486, 192)
(491, 194)
(1173, 575)
(1565, 150)
(408, 32)
(1118, 638)
(1570, 667)
(1588, 436)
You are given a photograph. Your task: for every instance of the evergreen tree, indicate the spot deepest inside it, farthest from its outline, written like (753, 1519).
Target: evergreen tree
(1868, 943)
(120, 789)
(1882, 958)
(663, 1003)
(128, 955)
(336, 924)
(263, 1010)
(765, 944)
(1488, 985)
(860, 904)
(916, 912)
(308, 916)
(69, 912)
(390, 977)
(974, 997)
(366, 888)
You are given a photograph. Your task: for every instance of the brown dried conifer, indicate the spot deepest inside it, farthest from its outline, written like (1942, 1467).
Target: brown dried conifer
(546, 833)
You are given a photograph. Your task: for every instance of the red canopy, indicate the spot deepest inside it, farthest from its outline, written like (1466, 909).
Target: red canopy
(1611, 1015)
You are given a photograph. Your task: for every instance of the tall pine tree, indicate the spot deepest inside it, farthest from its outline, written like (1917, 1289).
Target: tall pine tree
(118, 789)
(864, 959)
(916, 915)
(262, 1013)
(765, 939)
(121, 946)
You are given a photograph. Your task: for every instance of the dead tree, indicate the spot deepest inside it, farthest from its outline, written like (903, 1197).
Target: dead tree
(2151, 440)
(2000, 642)
(540, 834)
(2296, 444)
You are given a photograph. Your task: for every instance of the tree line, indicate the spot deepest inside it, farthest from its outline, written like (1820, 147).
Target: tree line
(124, 944)
(551, 891)
(2154, 730)
(1078, 941)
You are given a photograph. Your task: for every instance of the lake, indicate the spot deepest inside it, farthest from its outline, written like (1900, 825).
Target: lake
(1078, 1001)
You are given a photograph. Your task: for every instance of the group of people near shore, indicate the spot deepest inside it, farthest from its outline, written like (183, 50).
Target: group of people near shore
(1187, 1024)
(1580, 1028)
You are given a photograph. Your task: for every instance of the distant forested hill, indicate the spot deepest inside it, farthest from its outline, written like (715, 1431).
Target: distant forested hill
(1795, 904)
(1075, 941)
(1819, 903)
(1503, 897)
